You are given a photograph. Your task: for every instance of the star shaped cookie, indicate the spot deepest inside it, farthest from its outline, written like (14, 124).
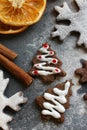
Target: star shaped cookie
(82, 72)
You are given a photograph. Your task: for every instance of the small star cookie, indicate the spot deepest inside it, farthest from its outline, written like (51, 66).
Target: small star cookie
(82, 72)
(85, 97)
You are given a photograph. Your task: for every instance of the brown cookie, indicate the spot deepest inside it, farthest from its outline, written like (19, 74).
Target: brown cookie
(85, 97)
(82, 72)
(46, 65)
(55, 101)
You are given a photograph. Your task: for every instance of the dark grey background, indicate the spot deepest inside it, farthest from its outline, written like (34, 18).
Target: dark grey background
(26, 44)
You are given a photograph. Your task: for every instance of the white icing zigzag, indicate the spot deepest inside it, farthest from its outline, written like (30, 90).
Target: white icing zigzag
(57, 108)
(43, 69)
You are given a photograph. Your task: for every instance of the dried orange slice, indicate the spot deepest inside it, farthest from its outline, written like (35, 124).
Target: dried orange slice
(21, 12)
(7, 29)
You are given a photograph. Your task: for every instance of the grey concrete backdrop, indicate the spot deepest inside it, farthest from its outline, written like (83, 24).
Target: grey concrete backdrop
(26, 44)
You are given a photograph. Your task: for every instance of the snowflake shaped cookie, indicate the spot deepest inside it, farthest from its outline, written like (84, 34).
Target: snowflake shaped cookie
(12, 102)
(78, 22)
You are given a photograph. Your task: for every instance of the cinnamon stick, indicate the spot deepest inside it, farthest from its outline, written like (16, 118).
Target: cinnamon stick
(7, 52)
(16, 71)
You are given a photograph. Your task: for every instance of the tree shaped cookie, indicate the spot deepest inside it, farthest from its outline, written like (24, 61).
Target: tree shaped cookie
(82, 72)
(46, 65)
(55, 101)
(12, 102)
(78, 22)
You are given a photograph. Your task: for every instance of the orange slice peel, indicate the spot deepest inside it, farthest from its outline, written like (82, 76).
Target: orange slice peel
(7, 29)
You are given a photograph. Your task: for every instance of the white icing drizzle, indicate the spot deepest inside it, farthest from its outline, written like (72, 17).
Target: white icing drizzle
(45, 56)
(43, 69)
(56, 108)
(46, 70)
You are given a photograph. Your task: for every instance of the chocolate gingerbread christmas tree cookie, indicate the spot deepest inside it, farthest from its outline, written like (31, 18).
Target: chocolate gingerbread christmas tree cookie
(46, 65)
(55, 101)
(82, 72)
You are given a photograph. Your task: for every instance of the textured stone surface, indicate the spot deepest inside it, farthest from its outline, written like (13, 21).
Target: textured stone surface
(26, 45)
